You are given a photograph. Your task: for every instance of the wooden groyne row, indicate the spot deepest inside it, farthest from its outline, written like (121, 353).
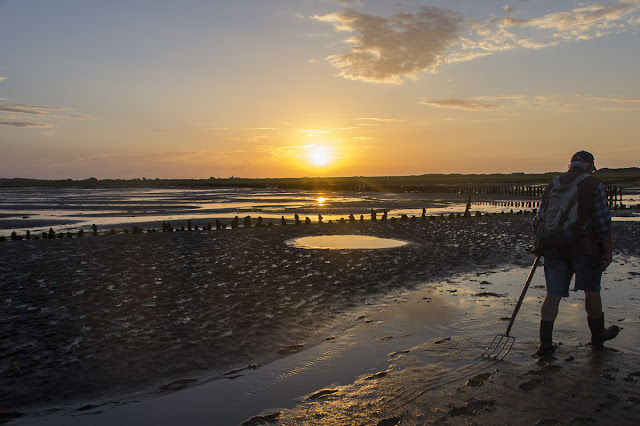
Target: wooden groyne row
(512, 190)
(248, 222)
(614, 193)
(615, 197)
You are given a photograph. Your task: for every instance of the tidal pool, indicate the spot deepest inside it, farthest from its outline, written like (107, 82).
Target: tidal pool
(342, 242)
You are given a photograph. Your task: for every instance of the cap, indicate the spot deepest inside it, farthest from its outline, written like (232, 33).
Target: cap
(583, 157)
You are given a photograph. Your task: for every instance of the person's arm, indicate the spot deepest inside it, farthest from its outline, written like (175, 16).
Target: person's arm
(537, 248)
(607, 255)
(602, 225)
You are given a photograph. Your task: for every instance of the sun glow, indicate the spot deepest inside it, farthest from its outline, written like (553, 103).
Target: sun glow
(319, 156)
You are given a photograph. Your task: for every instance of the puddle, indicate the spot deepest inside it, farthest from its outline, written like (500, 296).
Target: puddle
(625, 218)
(342, 242)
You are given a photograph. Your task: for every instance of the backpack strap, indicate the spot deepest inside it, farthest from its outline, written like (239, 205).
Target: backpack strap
(580, 178)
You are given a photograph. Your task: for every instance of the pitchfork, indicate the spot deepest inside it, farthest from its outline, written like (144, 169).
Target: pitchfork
(502, 343)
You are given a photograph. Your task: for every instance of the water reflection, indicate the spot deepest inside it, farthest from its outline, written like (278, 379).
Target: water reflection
(71, 209)
(341, 242)
(626, 218)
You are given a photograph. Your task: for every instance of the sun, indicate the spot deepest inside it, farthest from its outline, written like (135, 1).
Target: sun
(319, 156)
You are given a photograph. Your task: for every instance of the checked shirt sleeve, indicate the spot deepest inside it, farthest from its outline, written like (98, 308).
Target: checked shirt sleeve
(601, 213)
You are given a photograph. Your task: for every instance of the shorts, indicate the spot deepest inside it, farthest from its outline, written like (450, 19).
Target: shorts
(560, 268)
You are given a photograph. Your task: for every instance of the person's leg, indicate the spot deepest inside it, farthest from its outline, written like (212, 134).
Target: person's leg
(593, 304)
(549, 310)
(557, 273)
(595, 319)
(588, 277)
(548, 314)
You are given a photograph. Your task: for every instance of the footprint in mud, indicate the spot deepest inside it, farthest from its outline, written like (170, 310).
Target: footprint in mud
(478, 380)
(531, 384)
(394, 354)
(488, 294)
(94, 406)
(471, 408)
(548, 422)
(248, 367)
(393, 421)
(177, 385)
(378, 375)
(321, 394)
(634, 400)
(363, 318)
(258, 420)
(287, 350)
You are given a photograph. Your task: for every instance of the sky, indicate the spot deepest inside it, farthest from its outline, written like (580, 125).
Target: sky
(284, 88)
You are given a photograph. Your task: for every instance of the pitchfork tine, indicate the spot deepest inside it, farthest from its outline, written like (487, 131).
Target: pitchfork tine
(502, 343)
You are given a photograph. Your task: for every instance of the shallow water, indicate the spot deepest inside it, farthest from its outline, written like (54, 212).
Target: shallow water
(69, 209)
(468, 309)
(345, 242)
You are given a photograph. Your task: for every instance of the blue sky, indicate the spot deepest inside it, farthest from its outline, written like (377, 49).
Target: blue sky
(260, 88)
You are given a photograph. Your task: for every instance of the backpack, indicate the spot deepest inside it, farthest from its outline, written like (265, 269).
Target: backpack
(558, 225)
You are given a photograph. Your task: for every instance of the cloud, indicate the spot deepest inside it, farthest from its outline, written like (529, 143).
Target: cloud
(583, 23)
(511, 105)
(19, 111)
(315, 132)
(630, 100)
(383, 120)
(461, 104)
(347, 3)
(387, 49)
(617, 103)
(24, 124)
(407, 45)
(154, 157)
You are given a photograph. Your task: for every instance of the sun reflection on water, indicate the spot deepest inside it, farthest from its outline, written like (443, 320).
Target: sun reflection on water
(345, 242)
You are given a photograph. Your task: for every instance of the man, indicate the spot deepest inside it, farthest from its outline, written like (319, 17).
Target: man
(586, 257)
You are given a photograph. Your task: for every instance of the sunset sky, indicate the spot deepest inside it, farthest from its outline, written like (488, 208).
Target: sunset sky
(284, 88)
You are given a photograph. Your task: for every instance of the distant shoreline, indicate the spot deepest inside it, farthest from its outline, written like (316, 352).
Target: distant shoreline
(609, 176)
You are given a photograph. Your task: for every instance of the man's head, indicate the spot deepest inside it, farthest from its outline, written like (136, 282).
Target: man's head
(583, 161)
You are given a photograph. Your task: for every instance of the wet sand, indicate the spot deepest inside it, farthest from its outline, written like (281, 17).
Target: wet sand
(443, 380)
(124, 317)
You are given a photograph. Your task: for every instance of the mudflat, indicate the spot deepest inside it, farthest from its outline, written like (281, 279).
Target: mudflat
(110, 317)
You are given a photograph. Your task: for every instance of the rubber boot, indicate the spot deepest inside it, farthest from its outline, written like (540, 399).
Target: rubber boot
(545, 347)
(599, 334)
